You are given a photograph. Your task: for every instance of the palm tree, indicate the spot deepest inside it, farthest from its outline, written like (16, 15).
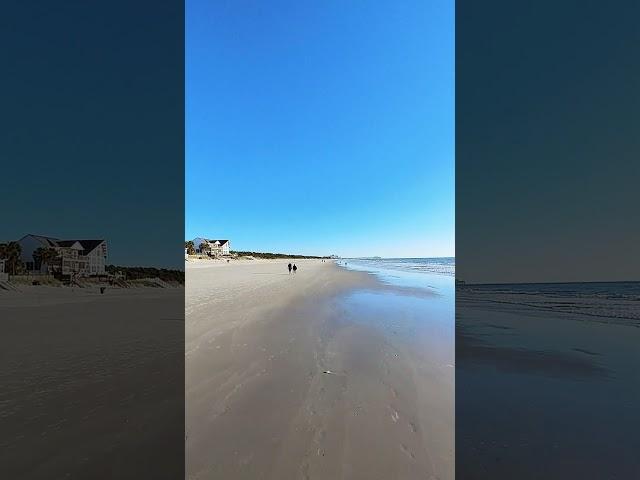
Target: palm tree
(37, 258)
(49, 257)
(204, 247)
(11, 252)
(45, 256)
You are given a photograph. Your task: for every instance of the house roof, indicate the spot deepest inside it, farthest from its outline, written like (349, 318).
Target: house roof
(70, 244)
(87, 245)
(197, 244)
(47, 241)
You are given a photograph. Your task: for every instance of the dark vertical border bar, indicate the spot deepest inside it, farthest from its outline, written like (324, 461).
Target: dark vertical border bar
(548, 270)
(92, 147)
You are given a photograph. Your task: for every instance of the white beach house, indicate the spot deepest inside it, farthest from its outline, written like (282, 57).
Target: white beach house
(82, 257)
(214, 248)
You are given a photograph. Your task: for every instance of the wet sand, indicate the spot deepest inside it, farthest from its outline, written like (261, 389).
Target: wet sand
(547, 384)
(291, 376)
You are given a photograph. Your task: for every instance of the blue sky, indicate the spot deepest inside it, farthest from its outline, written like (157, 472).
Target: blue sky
(321, 127)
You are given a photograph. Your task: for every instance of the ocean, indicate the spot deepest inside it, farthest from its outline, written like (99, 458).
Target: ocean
(608, 302)
(439, 265)
(434, 274)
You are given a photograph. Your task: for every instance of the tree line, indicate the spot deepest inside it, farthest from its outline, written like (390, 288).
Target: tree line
(191, 250)
(271, 255)
(139, 273)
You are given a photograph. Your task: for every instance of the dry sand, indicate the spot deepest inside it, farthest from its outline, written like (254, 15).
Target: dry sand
(260, 403)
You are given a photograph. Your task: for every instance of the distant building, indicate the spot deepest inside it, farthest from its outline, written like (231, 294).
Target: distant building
(214, 248)
(81, 257)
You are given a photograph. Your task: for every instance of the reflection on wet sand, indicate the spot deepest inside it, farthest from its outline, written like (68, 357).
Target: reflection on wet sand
(546, 381)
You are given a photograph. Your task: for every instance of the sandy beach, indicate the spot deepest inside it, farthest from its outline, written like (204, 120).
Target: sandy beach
(304, 377)
(91, 384)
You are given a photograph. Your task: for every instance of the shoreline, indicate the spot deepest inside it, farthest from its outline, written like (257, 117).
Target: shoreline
(289, 376)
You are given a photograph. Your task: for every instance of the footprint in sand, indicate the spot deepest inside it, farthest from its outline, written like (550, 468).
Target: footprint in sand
(394, 416)
(305, 471)
(406, 450)
(413, 427)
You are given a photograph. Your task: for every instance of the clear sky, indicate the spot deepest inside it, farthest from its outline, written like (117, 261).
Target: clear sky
(92, 127)
(321, 127)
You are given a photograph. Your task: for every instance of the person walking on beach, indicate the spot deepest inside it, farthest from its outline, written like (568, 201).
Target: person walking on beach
(295, 269)
(289, 269)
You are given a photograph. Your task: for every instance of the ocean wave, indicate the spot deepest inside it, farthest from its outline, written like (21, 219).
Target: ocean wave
(614, 301)
(441, 266)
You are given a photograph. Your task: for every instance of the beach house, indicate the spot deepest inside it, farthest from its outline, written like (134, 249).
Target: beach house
(80, 257)
(214, 248)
